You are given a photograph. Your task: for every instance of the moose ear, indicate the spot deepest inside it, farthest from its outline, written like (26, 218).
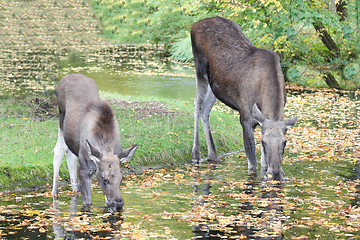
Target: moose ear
(93, 152)
(291, 122)
(258, 115)
(127, 154)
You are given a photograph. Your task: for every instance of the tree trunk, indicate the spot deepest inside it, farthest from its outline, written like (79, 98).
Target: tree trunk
(332, 5)
(341, 9)
(326, 38)
(330, 80)
(333, 48)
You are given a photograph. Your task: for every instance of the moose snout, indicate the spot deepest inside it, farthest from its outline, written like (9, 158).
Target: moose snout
(116, 205)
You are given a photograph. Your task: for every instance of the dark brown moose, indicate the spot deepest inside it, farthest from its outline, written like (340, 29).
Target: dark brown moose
(89, 132)
(248, 79)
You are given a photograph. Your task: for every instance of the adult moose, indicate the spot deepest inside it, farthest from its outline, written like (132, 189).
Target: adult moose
(248, 79)
(89, 132)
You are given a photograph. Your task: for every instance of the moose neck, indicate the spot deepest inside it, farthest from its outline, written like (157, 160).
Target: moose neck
(272, 103)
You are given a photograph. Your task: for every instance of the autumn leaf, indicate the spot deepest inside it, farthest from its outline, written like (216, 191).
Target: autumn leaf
(148, 217)
(155, 194)
(167, 230)
(302, 237)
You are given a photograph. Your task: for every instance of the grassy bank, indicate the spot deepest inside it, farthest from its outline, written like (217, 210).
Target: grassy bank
(163, 129)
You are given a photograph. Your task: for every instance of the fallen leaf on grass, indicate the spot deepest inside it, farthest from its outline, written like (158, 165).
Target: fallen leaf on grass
(155, 194)
(148, 217)
(167, 230)
(302, 237)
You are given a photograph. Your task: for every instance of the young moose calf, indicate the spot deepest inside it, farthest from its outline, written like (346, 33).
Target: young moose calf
(248, 79)
(89, 132)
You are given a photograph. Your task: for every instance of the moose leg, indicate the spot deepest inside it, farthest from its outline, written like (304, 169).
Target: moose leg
(201, 88)
(264, 164)
(59, 151)
(249, 144)
(86, 170)
(72, 162)
(85, 183)
(204, 101)
(208, 103)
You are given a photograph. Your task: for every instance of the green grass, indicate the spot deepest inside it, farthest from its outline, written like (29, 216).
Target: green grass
(163, 129)
(27, 137)
(168, 139)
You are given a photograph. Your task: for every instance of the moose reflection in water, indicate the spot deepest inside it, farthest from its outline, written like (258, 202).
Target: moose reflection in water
(64, 229)
(270, 215)
(89, 132)
(248, 79)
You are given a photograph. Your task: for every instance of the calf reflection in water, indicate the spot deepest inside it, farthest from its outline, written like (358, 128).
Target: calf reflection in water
(257, 217)
(78, 225)
(90, 134)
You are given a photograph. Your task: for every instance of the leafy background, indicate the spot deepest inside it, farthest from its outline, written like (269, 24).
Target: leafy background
(317, 40)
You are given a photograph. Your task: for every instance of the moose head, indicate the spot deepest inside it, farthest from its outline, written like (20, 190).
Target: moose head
(273, 143)
(109, 174)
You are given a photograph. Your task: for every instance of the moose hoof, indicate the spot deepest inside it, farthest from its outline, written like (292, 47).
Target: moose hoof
(253, 170)
(195, 161)
(213, 160)
(86, 208)
(195, 156)
(54, 193)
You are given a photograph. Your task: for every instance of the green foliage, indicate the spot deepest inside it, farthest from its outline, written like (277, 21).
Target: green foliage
(165, 22)
(181, 50)
(286, 26)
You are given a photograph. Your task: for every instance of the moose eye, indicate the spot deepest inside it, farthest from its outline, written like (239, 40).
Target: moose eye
(105, 181)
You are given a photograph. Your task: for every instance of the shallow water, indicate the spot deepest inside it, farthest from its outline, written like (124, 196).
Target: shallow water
(198, 202)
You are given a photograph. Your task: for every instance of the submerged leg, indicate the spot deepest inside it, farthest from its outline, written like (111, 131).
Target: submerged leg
(249, 144)
(85, 182)
(72, 166)
(86, 170)
(264, 165)
(59, 151)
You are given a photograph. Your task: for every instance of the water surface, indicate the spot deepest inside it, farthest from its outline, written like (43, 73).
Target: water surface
(175, 87)
(126, 69)
(198, 202)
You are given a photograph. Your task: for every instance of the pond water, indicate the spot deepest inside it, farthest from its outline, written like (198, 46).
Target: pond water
(126, 69)
(199, 202)
(176, 87)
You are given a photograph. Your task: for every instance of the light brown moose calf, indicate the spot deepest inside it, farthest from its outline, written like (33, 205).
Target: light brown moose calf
(89, 133)
(248, 79)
